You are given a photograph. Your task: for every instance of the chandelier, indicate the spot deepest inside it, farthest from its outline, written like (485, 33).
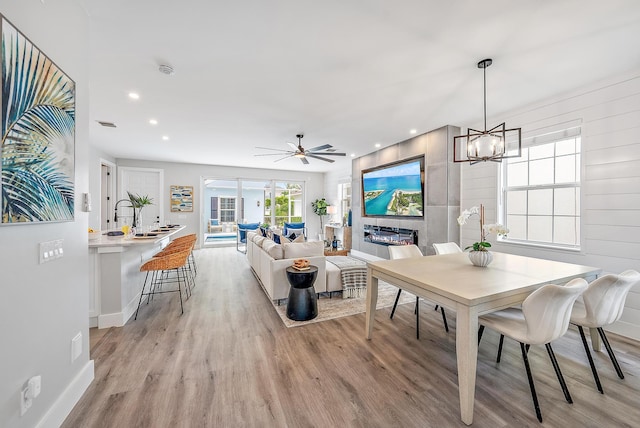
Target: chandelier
(494, 144)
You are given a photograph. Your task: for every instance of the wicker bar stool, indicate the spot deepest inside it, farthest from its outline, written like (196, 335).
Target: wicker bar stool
(179, 243)
(159, 268)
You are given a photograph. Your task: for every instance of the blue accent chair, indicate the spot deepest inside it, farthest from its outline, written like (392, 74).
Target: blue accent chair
(296, 228)
(241, 238)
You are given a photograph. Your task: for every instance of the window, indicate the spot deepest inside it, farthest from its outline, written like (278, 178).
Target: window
(541, 199)
(344, 191)
(227, 209)
(288, 202)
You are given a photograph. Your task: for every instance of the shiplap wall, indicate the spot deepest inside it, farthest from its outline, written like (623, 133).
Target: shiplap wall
(610, 114)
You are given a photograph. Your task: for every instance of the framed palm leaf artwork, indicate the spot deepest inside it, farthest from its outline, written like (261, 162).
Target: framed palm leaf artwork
(38, 134)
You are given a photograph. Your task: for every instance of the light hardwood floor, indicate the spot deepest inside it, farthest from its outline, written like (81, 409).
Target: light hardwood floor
(230, 362)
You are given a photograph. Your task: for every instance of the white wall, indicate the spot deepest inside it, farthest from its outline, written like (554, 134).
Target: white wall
(43, 306)
(441, 193)
(191, 174)
(610, 114)
(331, 181)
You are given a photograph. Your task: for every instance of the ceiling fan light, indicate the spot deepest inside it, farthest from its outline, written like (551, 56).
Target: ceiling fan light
(299, 155)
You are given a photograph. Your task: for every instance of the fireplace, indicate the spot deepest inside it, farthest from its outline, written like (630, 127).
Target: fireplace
(382, 235)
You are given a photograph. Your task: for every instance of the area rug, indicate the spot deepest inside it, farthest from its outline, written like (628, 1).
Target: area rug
(338, 307)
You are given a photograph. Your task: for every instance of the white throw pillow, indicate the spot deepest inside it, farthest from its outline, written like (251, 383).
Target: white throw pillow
(299, 238)
(295, 250)
(273, 249)
(297, 232)
(258, 240)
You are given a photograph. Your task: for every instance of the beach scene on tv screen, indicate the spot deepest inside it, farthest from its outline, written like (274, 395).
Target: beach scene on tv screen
(395, 191)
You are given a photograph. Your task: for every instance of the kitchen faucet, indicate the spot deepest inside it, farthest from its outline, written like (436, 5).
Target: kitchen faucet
(115, 216)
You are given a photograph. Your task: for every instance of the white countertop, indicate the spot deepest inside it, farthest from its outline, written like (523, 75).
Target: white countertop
(126, 241)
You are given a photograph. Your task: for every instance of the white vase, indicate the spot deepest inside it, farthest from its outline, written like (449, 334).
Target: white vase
(480, 258)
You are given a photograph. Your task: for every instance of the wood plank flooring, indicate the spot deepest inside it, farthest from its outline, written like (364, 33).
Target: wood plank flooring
(230, 362)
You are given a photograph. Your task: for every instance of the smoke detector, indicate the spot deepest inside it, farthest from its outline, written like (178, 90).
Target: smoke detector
(166, 69)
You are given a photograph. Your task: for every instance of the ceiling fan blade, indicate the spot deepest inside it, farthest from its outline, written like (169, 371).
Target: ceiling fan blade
(269, 148)
(288, 156)
(304, 161)
(274, 154)
(315, 149)
(326, 154)
(311, 155)
(293, 146)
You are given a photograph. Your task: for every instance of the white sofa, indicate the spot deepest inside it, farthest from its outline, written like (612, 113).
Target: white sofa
(269, 261)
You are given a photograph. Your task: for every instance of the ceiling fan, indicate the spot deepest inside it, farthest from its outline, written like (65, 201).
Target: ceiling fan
(302, 153)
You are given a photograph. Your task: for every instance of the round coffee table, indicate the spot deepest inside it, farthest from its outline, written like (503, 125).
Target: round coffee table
(302, 304)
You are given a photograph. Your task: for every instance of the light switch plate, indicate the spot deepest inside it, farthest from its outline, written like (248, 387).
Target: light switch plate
(50, 250)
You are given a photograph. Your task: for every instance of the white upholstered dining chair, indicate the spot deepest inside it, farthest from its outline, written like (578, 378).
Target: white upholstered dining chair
(404, 252)
(447, 248)
(543, 318)
(599, 306)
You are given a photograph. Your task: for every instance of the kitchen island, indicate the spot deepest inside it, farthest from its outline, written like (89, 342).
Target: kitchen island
(116, 280)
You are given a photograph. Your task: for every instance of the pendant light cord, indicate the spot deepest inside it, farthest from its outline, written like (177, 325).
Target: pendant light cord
(484, 73)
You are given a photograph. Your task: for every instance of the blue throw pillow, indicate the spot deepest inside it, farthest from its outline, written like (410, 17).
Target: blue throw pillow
(215, 222)
(276, 238)
(263, 231)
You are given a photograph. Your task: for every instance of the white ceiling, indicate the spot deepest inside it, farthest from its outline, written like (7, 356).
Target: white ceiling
(348, 73)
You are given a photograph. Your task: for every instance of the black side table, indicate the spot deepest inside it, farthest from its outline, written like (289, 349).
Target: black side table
(302, 304)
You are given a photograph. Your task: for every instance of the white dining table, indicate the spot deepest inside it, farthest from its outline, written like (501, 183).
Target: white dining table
(452, 281)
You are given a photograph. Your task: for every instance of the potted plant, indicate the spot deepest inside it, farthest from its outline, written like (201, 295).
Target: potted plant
(320, 208)
(137, 203)
(479, 254)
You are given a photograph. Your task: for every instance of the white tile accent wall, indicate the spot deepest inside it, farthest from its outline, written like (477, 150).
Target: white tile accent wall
(610, 114)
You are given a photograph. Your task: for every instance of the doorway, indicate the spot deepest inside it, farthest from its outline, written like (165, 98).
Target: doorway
(143, 182)
(107, 194)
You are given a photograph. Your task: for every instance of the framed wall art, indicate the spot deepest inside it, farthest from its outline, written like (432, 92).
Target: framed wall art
(38, 134)
(181, 199)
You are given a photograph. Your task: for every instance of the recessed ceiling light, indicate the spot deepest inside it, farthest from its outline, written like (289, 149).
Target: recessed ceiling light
(377, 144)
(165, 138)
(153, 121)
(353, 155)
(413, 131)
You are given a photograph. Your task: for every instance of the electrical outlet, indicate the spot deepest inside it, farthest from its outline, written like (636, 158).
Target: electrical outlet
(29, 392)
(25, 402)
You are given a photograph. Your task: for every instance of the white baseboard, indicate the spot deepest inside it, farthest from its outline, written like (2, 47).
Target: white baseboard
(110, 320)
(118, 319)
(61, 408)
(130, 309)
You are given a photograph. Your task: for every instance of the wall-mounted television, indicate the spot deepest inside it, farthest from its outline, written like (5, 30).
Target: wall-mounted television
(394, 190)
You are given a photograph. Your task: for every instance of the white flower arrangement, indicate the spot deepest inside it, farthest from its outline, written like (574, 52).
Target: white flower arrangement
(485, 229)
